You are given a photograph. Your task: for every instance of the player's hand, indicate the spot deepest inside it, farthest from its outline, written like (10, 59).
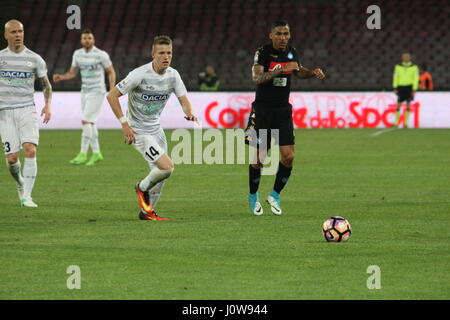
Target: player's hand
(413, 93)
(318, 73)
(191, 117)
(57, 78)
(128, 133)
(46, 113)
(395, 91)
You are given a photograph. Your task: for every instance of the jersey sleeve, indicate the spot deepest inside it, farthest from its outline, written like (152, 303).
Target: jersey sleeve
(179, 87)
(129, 83)
(261, 57)
(74, 60)
(395, 78)
(41, 67)
(105, 60)
(296, 57)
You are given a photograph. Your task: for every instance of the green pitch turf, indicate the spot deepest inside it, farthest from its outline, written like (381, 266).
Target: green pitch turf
(394, 188)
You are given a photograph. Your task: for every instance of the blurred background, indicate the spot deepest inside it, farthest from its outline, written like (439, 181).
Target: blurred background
(225, 33)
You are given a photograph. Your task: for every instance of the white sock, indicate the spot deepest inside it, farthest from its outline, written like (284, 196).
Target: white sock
(29, 176)
(156, 175)
(14, 169)
(94, 139)
(155, 193)
(86, 135)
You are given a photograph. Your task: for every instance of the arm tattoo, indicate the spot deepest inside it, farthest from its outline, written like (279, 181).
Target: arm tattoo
(47, 89)
(259, 76)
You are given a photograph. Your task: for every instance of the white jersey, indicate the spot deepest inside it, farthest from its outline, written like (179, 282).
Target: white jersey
(18, 72)
(148, 93)
(92, 64)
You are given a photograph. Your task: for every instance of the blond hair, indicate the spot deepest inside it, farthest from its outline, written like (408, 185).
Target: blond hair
(161, 39)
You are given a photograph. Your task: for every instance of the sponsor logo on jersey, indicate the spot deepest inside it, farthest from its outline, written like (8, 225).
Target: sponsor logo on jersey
(274, 65)
(3, 63)
(16, 74)
(154, 97)
(290, 55)
(274, 56)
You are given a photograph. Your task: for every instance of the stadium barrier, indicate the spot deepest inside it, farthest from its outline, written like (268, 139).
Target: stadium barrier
(310, 110)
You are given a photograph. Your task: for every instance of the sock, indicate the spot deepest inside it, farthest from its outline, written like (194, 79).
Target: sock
(397, 116)
(29, 176)
(155, 193)
(86, 135)
(156, 175)
(406, 116)
(14, 169)
(282, 177)
(94, 139)
(254, 177)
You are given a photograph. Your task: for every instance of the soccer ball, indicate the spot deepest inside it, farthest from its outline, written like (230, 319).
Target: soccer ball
(336, 229)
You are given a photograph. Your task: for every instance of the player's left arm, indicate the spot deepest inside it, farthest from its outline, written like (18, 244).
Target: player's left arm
(47, 90)
(111, 76)
(187, 108)
(305, 73)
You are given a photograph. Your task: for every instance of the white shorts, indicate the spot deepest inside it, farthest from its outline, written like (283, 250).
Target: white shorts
(151, 147)
(91, 105)
(18, 126)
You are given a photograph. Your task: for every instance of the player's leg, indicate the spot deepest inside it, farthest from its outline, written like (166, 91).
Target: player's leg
(29, 173)
(400, 99)
(91, 114)
(154, 193)
(11, 147)
(258, 139)
(397, 114)
(286, 142)
(29, 138)
(161, 168)
(405, 125)
(86, 134)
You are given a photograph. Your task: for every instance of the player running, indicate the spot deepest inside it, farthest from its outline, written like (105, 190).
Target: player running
(92, 63)
(19, 129)
(149, 88)
(273, 66)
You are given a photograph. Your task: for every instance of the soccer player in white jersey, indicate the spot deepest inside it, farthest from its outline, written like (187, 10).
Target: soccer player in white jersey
(92, 63)
(19, 129)
(149, 88)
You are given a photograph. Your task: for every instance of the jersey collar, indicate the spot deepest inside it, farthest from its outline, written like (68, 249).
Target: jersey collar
(84, 50)
(20, 53)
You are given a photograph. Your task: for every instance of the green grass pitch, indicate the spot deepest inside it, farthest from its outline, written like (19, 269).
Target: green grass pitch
(394, 188)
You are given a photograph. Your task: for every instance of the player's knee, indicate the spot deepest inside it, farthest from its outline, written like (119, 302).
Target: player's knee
(287, 159)
(29, 150)
(166, 166)
(12, 158)
(257, 165)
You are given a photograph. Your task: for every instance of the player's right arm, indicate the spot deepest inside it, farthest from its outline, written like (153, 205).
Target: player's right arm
(113, 100)
(259, 76)
(395, 79)
(72, 73)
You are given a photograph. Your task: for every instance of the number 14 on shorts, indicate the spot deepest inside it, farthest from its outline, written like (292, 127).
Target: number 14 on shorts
(152, 153)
